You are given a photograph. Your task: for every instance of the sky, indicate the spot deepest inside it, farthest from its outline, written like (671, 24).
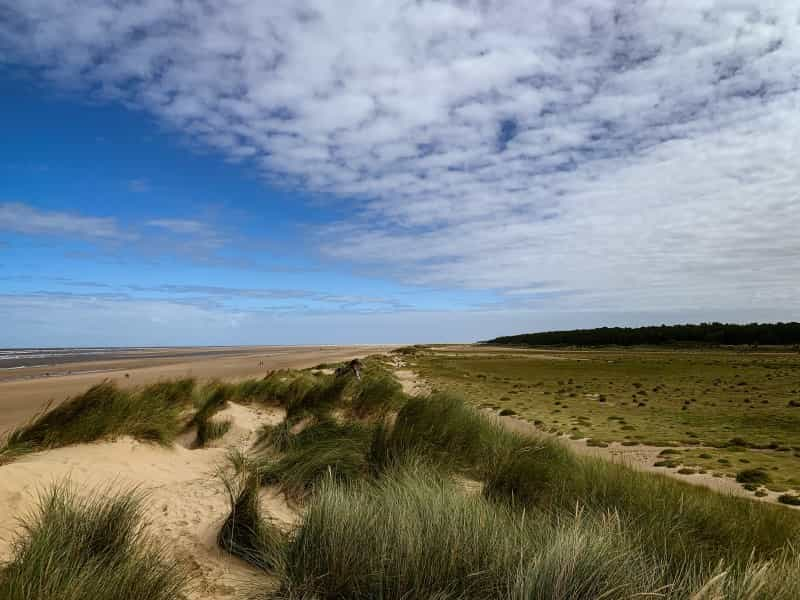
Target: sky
(320, 172)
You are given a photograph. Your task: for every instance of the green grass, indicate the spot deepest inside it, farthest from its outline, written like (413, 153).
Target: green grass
(246, 532)
(444, 430)
(682, 520)
(88, 548)
(152, 413)
(323, 449)
(700, 399)
(377, 393)
(414, 534)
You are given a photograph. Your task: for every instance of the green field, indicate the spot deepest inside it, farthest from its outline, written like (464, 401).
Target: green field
(723, 410)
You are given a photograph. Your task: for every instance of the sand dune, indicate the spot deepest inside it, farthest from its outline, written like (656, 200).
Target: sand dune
(186, 501)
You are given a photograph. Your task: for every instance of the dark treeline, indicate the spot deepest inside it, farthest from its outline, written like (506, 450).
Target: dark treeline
(704, 333)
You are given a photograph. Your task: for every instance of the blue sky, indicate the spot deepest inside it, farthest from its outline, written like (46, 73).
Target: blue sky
(393, 172)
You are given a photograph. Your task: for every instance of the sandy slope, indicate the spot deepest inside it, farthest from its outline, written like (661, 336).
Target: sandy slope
(186, 502)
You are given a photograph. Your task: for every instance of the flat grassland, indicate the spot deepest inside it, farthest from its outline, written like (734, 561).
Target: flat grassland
(722, 411)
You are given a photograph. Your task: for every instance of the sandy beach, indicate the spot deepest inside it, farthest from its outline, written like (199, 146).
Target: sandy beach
(25, 391)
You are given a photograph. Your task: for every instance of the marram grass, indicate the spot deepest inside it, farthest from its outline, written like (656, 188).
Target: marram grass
(88, 548)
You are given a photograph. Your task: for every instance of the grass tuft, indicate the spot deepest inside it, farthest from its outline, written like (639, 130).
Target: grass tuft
(246, 532)
(86, 548)
(325, 448)
(414, 534)
(104, 410)
(377, 393)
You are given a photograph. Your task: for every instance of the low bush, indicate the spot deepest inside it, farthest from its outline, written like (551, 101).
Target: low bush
(758, 476)
(790, 499)
(75, 548)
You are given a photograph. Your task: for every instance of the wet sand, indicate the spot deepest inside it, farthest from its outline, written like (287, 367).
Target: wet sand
(24, 392)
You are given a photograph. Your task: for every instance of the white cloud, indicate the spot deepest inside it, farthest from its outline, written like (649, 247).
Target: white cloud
(22, 218)
(632, 155)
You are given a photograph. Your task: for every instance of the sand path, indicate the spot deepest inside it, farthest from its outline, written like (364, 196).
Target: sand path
(186, 501)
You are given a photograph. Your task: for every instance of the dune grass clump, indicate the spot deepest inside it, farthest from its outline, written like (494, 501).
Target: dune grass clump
(679, 521)
(443, 429)
(317, 397)
(532, 473)
(209, 430)
(377, 393)
(246, 532)
(213, 398)
(413, 534)
(88, 548)
(151, 414)
(323, 449)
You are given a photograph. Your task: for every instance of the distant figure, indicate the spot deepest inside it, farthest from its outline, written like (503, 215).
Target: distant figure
(354, 367)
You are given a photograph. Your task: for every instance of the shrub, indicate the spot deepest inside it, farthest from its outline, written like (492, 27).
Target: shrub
(789, 499)
(88, 548)
(758, 476)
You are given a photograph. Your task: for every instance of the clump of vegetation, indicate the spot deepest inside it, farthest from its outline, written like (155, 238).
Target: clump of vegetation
(315, 397)
(443, 429)
(277, 437)
(75, 548)
(790, 499)
(209, 430)
(377, 393)
(246, 532)
(757, 476)
(323, 449)
(150, 414)
(214, 398)
(415, 534)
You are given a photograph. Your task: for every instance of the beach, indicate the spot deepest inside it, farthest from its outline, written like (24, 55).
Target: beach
(32, 379)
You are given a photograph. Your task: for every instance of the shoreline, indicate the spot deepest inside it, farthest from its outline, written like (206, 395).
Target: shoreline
(24, 396)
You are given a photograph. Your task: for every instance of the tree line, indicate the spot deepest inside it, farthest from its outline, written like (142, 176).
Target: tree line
(768, 334)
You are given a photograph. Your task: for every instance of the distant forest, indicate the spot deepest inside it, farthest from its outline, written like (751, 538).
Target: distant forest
(704, 334)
